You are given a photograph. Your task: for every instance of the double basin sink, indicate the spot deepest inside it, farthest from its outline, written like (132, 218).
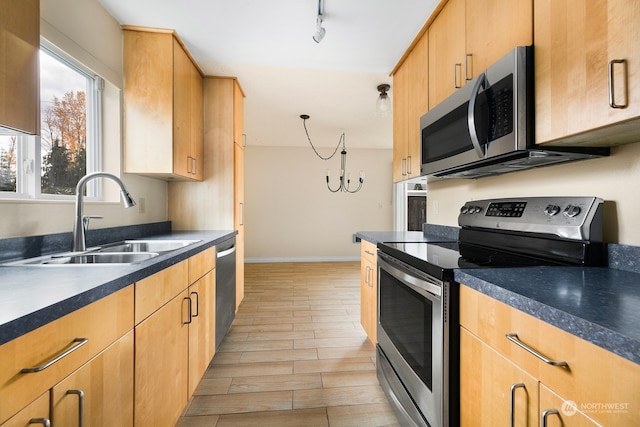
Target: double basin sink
(124, 252)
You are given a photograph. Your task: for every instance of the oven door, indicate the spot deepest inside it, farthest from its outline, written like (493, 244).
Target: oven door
(411, 340)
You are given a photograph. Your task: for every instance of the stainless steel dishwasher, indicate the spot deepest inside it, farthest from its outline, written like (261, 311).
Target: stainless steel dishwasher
(225, 287)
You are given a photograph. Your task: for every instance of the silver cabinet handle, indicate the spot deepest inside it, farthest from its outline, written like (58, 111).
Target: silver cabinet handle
(457, 70)
(366, 275)
(612, 89)
(80, 395)
(75, 344)
(197, 303)
(467, 67)
(190, 310)
(369, 252)
(195, 165)
(404, 166)
(44, 421)
(514, 339)
(513, 401)
(546, 413)
(409, 165)
(471, 118)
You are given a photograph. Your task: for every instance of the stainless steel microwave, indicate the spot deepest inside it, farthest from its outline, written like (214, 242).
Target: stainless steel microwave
(487, 126)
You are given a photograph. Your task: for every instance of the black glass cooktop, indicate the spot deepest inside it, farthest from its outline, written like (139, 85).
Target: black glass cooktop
(439, 259)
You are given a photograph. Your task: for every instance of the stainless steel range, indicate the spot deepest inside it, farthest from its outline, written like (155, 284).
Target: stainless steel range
(418, 342)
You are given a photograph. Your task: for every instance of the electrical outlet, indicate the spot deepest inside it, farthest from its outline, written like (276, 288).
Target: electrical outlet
(142, 205)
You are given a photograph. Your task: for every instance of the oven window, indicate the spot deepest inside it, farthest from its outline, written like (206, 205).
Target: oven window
(406, 317)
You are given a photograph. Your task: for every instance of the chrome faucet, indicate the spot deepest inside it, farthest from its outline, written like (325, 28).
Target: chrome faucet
(79, 243)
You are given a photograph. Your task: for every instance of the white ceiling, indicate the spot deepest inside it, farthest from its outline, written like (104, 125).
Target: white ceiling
(284, 73)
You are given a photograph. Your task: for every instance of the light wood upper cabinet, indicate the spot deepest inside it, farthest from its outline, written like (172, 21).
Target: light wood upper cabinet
(163, 106)
(19, 65)
(218, 202)
(447, 52)
(577, 44)
(493, 28)
(400, 121)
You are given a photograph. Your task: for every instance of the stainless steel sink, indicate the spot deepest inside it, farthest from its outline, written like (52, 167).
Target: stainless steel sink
(124, 252)
(159, 246)
(86, 258)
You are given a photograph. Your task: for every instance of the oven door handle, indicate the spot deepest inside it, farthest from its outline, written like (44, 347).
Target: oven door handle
(419, 284)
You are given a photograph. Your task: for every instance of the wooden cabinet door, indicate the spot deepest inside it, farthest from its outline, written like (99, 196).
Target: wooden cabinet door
(19, 69)
(196, 119)
(418, 97)
(368, 290)
(447, 52)
(239, 215)
(161, 364)
(181, 106)
(33, 414)
(106, 384)
(400, 120)
(489, 386)
(575, 42)
(202, 329)
(559, 412)
(493, 28)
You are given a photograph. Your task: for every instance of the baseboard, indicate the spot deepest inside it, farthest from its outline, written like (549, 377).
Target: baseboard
(306, 259)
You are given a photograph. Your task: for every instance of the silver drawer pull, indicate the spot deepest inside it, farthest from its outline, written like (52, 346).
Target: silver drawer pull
(513, 401)
(546, 414)
(80, 395)
(75, 344)
(44, 421)
(514, 339)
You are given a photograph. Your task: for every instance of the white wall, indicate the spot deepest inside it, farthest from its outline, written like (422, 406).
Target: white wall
(291, 216)
(616, 179)
(86, 31)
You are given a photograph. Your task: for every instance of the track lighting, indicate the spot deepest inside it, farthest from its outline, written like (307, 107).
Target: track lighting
(320, 30)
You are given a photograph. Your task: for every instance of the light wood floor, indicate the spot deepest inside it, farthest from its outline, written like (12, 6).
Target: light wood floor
(296, 355)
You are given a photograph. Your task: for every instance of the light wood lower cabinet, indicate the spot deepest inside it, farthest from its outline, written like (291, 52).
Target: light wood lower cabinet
(37, 412)
(491, 386)
(594, 379)
(175, 337)
(369, 290)
(558, 412)
(86, 332)
(161, 360)
(202, 329)
(100, 393)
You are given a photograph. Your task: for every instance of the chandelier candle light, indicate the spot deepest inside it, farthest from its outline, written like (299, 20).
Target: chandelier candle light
(344, 181)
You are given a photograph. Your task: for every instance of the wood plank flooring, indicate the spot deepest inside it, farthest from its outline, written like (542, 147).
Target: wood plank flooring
(296, 355)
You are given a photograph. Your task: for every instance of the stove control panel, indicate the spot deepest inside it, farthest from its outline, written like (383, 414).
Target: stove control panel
(576, 218)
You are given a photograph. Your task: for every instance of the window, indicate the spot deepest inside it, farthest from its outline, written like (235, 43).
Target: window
(69, 143)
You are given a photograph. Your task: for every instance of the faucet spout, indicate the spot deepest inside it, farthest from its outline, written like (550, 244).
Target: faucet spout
(79, 242)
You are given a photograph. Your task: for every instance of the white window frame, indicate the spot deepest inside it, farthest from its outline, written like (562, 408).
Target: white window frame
(29, 158)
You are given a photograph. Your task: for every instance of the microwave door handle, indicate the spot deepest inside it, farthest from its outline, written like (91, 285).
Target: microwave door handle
(471, 119)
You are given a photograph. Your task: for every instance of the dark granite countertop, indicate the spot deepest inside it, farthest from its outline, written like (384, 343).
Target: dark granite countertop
(32, 296)
(599, 305)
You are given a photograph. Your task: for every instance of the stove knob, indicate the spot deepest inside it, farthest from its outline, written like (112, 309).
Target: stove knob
(551, 210)
(477, 209)
(572, 211)
(464, 210)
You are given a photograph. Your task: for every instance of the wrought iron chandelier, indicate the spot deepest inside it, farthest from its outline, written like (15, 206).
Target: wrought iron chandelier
(344, 181)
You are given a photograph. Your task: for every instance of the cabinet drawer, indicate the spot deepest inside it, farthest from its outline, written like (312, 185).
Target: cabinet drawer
(593, 375)
(369, 251)
(100, 323)
(202, 263)
(154, 291)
